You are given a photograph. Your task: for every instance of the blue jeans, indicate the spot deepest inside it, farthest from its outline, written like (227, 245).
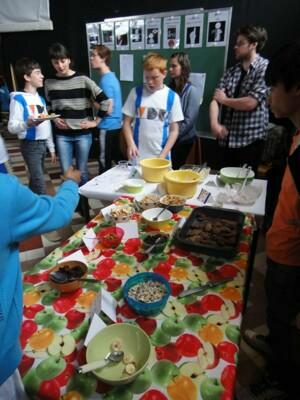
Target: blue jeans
(78, 146)
(33, 152)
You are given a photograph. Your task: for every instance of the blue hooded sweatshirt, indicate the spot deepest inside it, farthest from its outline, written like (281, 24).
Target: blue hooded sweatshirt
(23, 214)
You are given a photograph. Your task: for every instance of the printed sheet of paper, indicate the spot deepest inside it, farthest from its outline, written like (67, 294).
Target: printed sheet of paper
(90, 239)
(153, 33)
(217, 28)
(96, 326)
(198, 80)
(122, 35)
(107, 34)
(137, 34)
(130, 228)
(171, 38)
(126, 67)
(76, 256)
(193, 31)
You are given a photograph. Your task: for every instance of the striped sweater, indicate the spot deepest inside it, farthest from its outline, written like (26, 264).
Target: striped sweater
(72, 97)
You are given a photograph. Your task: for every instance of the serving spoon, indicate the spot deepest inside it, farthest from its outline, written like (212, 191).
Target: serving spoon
(160, 212)
(112, 356)
(61, 277)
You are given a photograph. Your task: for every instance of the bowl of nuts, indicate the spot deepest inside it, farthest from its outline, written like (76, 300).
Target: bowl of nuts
(147, 293)
(147, 201)
(121, 213)
(127, 338)
(175, 202)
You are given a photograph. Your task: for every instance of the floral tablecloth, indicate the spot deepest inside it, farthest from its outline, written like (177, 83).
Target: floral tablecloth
(194, 340)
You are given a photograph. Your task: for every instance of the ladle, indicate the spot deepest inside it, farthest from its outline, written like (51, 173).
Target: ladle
(62, 277)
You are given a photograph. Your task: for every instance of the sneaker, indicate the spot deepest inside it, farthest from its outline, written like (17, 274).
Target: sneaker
(257, 341)
(265, 389)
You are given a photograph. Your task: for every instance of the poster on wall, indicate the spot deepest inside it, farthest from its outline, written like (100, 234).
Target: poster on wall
(122, 35)
(126, 67)
(93, 34)
(137, 34)
(198, 80)
(107, 34)
(217, 26)
(171, 38)
(193, 31)
(153, 33)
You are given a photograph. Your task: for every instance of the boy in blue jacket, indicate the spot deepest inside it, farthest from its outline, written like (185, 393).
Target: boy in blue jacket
(23, 214)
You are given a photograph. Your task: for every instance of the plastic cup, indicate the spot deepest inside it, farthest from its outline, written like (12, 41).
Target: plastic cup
(123, 164)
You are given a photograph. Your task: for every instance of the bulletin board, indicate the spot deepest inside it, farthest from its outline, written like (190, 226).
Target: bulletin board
(206, 43)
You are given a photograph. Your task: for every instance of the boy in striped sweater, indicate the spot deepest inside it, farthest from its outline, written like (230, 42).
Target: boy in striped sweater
(72, 94)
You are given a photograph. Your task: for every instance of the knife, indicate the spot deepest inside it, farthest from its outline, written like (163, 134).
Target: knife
(203, 288)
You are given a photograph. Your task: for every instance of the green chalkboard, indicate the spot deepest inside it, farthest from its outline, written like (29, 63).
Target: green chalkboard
(209, 60)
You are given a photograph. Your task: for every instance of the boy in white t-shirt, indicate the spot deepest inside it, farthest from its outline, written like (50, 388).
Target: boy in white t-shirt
(155, 111)
(35, 137)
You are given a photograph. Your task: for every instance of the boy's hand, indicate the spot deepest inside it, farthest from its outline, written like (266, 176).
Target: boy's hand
(61, 123)
(162, 155)
(87, 124)
(220, 96)
(53, 158)
(132, 151)
(30, 121)
(219, 131)
(73, 174)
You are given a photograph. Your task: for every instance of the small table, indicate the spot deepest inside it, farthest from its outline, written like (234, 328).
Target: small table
(108, 186)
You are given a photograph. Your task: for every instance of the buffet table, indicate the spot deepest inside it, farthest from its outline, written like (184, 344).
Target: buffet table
(195, 353)
(108, 186)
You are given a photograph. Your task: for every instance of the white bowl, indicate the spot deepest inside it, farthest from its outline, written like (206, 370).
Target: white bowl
(148, 216)
(146, 201)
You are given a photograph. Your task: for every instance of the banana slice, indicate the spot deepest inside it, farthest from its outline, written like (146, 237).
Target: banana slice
(130, 369)
(116, 345)
(128, 359)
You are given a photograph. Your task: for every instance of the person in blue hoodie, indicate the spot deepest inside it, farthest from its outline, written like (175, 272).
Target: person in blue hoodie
(110, 125)
(23, 214)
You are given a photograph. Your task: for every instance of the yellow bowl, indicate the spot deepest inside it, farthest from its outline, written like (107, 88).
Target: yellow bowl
(182, 182)
(154, 169)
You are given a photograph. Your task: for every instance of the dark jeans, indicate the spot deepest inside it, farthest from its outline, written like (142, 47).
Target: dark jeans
(180, 152)
(283, 294)
(110, 150)
(33, 152)
(250, 154)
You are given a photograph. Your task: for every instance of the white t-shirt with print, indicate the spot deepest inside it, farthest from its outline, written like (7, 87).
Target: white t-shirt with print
(152, 114)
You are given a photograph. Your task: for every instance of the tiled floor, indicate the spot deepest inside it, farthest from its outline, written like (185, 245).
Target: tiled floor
(31, 251)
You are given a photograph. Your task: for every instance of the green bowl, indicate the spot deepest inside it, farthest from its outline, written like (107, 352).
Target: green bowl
(134, 185)
(232, 175)
(134, 341)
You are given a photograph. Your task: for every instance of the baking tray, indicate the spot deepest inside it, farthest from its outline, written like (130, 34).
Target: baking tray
(215, 250)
